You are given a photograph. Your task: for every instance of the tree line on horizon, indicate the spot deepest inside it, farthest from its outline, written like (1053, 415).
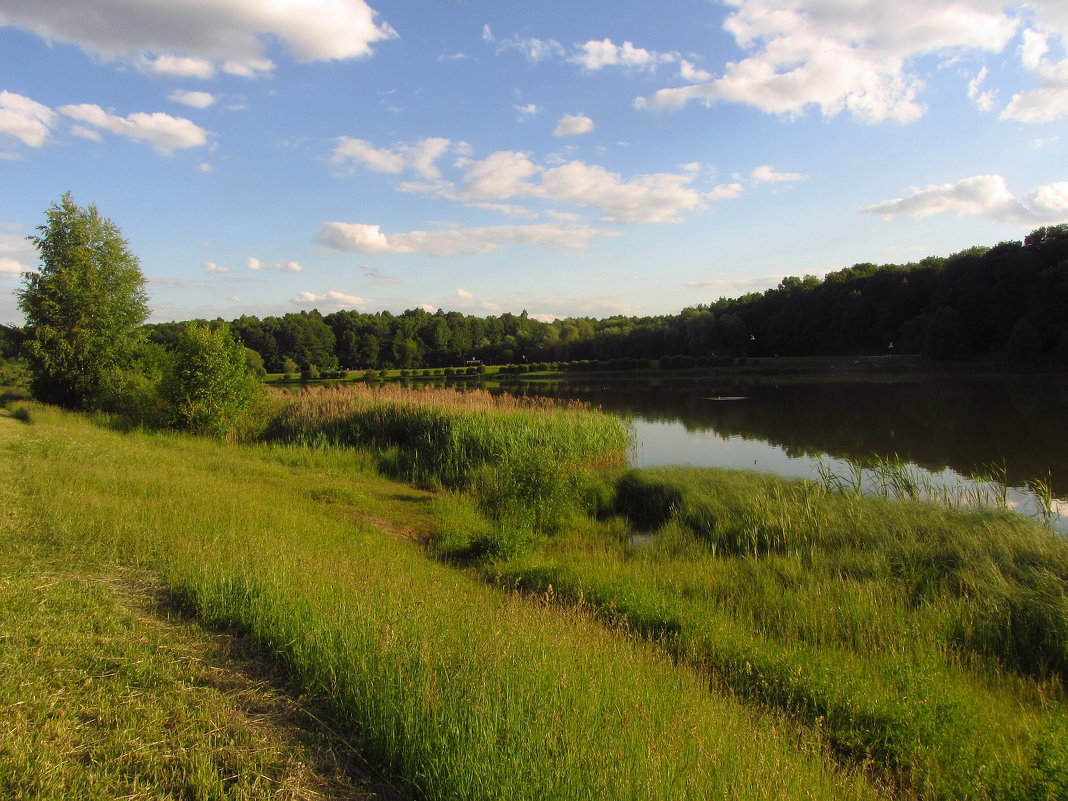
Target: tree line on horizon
(1008, 299)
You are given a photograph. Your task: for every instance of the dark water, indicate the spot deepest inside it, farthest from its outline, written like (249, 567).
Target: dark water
(948, 428)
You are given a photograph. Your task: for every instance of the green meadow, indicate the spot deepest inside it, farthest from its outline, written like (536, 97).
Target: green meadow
(476, 599)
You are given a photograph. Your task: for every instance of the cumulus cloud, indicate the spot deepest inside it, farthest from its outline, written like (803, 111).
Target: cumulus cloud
(984, 101)
(277, 266)
(213, 268)
(331, 298)
(1050, 100)
(189, 36)
(194, 99)
(726, 191)
(688, 72)
(596, 55)
(981, 195)
(508, 175)
(528, 110)
(573, 124)
(17, 253)
(660, 197)
(463, 293)
(499, 176)
(176, 66)
(162, 131)
(419, 156)
(27, 120)
(364, 238)
(841, 56)
(767, 174)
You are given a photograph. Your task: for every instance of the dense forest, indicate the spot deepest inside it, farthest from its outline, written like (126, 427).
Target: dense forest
(1007, 299)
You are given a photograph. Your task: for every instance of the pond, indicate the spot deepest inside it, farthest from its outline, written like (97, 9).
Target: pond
(944, 430)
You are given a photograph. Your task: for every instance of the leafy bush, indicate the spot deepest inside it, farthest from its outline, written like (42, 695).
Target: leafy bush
(209, 389)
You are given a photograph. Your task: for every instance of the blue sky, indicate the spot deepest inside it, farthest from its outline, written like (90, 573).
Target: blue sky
(578, 159)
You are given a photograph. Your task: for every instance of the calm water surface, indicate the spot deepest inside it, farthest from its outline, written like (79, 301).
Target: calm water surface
(946, 428)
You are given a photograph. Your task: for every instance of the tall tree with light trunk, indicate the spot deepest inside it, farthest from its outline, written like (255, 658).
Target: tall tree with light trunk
(84, 308)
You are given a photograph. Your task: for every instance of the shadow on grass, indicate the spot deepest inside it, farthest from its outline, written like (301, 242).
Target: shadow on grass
(243, 670)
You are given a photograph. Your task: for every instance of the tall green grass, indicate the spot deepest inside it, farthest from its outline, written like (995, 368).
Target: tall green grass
(530, 462)
(926, 644)
(461, 691)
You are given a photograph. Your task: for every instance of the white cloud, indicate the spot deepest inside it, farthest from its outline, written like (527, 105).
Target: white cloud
(725, 191)
(767, 174)
(163, 132)
(841, 56)
(1049, 101)
(194, 99)
(506, 175)
(17, 253)
(188, 37)
(205, 167)
(528, 110)
(176, 66)
(659, 197)
(419, 156)
(91, 134)
(532, 48)
(278, 266)
(428, 308)
(573, 124)
(499, 176)
(363, 238)
(688, 72)
(463, 293)
(27, 120)
(213, 268)
(981, 195)
(331, 298)
(596, 55)
(984, 101)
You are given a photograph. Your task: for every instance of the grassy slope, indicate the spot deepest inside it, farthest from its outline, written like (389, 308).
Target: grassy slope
(106, 693)
(883, 624)
(456, 689)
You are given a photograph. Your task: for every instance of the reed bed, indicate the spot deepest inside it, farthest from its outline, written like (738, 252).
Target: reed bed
(926, 644)
(446, 435)
(455, 689)
(531, 462)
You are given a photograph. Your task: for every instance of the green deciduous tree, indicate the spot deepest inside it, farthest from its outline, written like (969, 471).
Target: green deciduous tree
(84, 308)
(210, 389)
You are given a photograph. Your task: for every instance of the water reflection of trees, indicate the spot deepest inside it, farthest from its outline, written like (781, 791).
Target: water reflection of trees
(961, 423)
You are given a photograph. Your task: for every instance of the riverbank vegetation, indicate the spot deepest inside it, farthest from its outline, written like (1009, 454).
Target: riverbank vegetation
(449, 686)
(661, 633)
